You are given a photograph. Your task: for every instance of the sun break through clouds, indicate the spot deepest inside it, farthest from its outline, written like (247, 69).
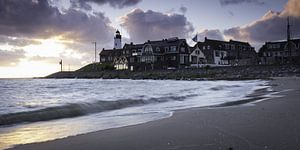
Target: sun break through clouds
(42, 31)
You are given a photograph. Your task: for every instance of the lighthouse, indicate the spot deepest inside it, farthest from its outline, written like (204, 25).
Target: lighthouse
(118, 40)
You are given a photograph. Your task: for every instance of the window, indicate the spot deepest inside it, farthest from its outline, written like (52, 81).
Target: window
(186, 59)
(222, 54)
(148, 59)
(182, 49)
(173, 58)
(134, 51)
(270, 54)
(181, 59)
(281, 53)
(158, 58)
(132, 59)
(148, 49)
(197, 52)
(226, 46)
(173, 49)
(217, 53)
(232, 47)
(166, 49)
(109, 58)
(208, 47)
(204, 47)
(265, 54)
(194, 59)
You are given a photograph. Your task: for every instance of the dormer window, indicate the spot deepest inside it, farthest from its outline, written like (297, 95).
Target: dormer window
(269, 46)
(232, 47)
(226, 46)
(148, 49)
(157, 49)
(173, 48)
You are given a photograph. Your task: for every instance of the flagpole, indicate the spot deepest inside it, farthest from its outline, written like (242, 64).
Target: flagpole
(61, 69)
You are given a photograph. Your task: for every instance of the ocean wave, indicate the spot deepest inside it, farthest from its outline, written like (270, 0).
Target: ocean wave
(80, 109)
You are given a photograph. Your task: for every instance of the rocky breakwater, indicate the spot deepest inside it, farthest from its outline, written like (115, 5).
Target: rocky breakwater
(207, 73)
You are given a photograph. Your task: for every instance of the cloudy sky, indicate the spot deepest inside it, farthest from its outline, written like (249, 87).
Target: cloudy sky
(36, 34)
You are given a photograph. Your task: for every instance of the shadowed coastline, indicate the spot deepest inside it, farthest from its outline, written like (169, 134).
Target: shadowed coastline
(207, 73)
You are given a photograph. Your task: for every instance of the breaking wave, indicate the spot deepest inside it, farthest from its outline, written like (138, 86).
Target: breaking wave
(80, 109)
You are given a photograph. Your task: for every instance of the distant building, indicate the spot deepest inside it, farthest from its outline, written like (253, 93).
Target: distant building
(170, 53)
(281, 52)
(175, 53)
(227, 53)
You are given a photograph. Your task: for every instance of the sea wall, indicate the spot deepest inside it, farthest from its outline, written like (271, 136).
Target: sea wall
(208, 73)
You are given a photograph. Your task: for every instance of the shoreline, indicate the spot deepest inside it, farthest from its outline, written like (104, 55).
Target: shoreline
(209, 73)
(237, 127)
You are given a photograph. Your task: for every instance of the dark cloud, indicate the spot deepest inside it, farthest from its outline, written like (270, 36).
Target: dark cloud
(11, 58)
(19, 42)
(234, 2)
(211, 34)
(183, 9)
(151, 25)
(26, 18)
(271, 27)
(113, 3)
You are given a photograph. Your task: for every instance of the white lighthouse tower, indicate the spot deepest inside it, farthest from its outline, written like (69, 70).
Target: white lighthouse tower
(118, 40)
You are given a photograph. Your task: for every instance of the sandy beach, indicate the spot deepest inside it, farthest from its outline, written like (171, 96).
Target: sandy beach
(273, 124)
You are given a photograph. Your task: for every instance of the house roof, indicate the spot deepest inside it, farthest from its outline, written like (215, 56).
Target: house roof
(278, 45)
(133, 46)
(111, 52)
(217, 44)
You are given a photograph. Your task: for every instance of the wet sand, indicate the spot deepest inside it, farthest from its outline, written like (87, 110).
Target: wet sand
(273, 124)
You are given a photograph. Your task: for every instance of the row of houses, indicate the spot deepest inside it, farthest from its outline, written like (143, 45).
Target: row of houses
(175, 53)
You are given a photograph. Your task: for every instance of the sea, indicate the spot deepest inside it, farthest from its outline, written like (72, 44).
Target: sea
(38, 110)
